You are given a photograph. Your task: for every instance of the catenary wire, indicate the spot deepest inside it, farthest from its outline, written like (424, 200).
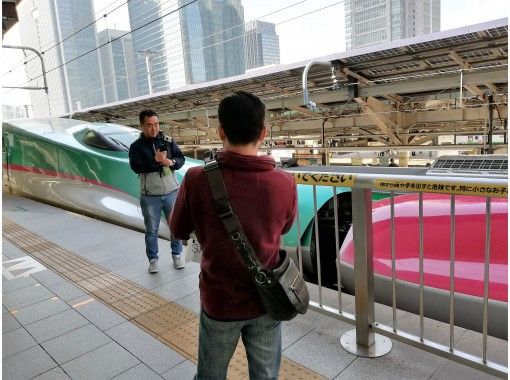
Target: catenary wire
(185, 52)
(202, 48)
(73, 32)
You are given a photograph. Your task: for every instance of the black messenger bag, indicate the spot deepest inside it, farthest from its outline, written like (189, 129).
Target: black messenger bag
(282, 290)
(287, 294)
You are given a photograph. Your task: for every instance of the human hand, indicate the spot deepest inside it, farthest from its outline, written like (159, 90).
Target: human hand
(160, 157)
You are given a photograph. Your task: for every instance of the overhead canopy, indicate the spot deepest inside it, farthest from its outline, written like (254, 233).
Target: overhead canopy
(370, 93)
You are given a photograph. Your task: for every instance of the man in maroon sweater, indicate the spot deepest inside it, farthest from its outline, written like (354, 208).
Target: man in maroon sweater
(264, 199)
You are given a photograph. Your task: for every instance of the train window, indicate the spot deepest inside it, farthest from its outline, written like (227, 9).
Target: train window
(124, 138)
(98, 140)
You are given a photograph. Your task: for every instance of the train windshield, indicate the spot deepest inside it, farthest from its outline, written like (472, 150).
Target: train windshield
(113, 139)
(124, 138)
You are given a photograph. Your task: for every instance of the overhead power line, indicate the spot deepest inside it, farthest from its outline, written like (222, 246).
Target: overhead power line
(73, 33)
(170, 59)
(184, 45)
(114, 39)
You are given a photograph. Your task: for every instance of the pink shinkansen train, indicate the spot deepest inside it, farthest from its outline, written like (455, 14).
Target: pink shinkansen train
(468, 261)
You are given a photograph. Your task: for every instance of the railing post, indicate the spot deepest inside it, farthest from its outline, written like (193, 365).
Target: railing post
(363, 341)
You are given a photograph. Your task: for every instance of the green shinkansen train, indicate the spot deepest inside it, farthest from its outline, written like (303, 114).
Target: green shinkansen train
(84, 167)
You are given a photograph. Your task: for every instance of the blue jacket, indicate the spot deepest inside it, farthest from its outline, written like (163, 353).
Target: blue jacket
(142, 153)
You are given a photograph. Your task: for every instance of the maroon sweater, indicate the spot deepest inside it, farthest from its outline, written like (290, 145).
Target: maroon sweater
(264, 199)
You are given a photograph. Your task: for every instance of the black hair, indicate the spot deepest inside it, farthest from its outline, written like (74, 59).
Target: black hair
(146, 113)
(242, 117)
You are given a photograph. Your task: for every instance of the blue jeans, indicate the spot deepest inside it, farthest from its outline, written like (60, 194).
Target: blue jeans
(262, 338)
(152, 205)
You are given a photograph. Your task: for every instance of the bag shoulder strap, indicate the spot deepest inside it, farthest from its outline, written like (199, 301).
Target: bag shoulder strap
(261, 276)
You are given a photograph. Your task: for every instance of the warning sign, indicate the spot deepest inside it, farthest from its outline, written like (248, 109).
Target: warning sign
(500, 191)
(325, 179)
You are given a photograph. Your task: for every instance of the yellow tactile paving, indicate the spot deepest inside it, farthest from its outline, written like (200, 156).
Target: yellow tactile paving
(185, 339)
(139, 304)
(85, 273)
(101, 281)
(238, 368)
(39, 246)
(169, 322)
(116, 292)
(291, 370)
(167, 318)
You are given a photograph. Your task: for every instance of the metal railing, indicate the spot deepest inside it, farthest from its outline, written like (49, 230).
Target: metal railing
(369, 337)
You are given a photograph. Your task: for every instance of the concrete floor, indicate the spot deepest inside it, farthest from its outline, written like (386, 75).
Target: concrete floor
(55, 329)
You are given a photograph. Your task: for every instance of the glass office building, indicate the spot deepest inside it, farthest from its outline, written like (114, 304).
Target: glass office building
(370, 22)
(182, 44)
(213, 37)
(72, 66)
(117, 65)
(262, 44)
(156, 35)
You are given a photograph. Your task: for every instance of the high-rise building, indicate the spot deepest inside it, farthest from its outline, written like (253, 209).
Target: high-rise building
(156, 34)
(370, 22)
(72, 64)
(176, 44)
(213, 37)
(117, 65)
(262, 44)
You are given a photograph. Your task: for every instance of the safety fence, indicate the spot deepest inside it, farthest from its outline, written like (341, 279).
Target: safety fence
(412, 275)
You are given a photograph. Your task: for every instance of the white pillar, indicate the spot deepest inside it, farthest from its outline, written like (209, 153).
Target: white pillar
(403, 159)
(357, 161)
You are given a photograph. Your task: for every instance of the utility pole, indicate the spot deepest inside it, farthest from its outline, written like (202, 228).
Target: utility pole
(148, 67)
(148, 54)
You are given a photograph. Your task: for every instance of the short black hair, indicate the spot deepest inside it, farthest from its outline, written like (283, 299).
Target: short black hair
(242, 117)
(146, 113)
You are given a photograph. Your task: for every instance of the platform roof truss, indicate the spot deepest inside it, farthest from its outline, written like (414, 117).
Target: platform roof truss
(399, 80)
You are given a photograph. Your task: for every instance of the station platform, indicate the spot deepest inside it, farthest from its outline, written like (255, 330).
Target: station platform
(79, 303)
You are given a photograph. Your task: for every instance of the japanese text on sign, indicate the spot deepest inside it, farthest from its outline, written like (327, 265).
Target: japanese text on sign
(447, 188)
(324, 179)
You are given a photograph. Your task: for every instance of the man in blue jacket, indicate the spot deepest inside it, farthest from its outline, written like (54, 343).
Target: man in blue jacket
(155, 157)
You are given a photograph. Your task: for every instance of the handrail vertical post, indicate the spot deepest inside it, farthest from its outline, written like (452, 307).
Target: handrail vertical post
(486, 274)
(393, 262)
(363, 266)
(299, 248)
(337, 250)
(317, 243)
(366, 343)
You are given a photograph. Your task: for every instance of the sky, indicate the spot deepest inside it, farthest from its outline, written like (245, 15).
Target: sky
(322, 31)
(307, 29)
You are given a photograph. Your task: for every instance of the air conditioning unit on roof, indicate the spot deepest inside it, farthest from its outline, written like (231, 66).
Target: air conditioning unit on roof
(495, 166)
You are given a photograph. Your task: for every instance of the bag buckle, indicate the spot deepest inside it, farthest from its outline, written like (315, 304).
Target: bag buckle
(223, 208)
(211, 165)
(261, 278)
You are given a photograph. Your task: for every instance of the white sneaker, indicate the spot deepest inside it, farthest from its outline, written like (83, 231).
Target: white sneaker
(178, 262)
(153, 266)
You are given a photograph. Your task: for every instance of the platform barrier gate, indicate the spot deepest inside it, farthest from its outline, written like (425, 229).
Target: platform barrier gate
(370, 338)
